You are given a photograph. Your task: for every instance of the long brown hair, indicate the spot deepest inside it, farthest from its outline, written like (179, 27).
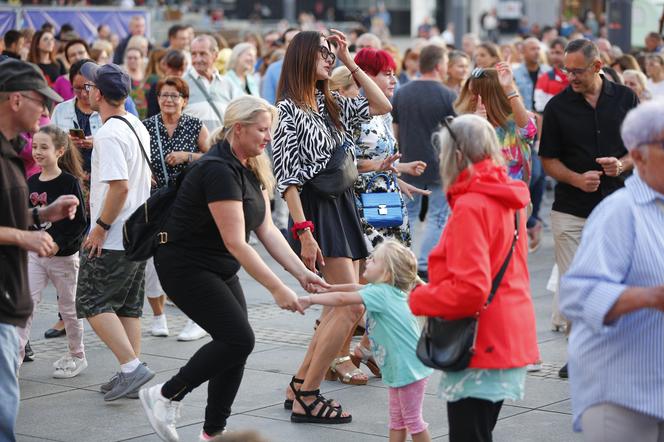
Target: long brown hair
(485, 84)
(298, 75)
(33, 55)
(71, 161)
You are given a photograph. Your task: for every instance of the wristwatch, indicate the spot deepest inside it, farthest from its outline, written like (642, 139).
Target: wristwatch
(103, 225)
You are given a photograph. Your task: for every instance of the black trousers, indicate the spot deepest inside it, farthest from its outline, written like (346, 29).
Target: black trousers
(472, 420)
(216, 303)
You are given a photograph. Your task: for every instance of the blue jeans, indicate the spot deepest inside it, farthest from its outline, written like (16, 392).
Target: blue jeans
(537, 183)
(435, 221)
(8, 381)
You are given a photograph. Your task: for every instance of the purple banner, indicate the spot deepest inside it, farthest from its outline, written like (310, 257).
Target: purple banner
(7, 21)
(84, 20)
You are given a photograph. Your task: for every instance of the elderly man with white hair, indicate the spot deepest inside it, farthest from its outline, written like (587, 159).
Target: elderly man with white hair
(614, 295)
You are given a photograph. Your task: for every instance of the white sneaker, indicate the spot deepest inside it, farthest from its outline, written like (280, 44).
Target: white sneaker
(162, 413)
(159, 326)
(531, 368)
(191, 332)
(69, 366)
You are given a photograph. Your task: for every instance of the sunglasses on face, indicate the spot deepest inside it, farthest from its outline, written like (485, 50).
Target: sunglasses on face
(327, 54)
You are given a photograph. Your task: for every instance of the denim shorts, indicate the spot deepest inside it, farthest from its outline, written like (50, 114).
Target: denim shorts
(110, 283)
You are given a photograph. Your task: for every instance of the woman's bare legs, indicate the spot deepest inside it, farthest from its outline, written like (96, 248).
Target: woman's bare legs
(334, 328)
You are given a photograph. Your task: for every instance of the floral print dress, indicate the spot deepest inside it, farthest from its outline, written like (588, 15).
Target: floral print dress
(375, 140)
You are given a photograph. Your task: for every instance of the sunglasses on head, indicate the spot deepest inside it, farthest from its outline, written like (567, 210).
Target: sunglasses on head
(447, 121)
(477, 73)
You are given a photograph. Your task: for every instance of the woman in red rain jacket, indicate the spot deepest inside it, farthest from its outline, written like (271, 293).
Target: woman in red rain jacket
(474, 245)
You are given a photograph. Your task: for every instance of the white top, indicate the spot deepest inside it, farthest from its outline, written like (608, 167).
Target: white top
(116, 157)
(656, 89)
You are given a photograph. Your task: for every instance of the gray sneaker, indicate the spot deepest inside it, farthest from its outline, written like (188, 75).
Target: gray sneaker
(129, 382)
(108, 386)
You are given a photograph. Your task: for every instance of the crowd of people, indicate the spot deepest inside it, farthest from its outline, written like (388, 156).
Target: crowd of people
(330, 150)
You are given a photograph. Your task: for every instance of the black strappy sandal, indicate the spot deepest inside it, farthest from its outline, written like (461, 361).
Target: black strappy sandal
(326, 415)
(288, 403)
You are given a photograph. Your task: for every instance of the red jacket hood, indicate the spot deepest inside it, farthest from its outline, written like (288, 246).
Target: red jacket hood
(491, 180)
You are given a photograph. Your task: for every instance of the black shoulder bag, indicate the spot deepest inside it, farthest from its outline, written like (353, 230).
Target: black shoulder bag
(450, 345)
(339, 173)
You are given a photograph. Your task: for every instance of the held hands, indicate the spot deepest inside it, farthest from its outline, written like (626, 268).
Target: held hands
(95, 241)
(339, 38)
(305, 302)
(287, 299)
(611, 165)
(312, 283)
(589, 181)
(63, 207)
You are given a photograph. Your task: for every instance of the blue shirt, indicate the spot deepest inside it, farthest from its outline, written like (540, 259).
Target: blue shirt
(622, 363)
(393, 332)
(271, 81)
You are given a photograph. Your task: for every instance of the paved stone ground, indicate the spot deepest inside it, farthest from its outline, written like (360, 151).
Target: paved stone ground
(74, 410)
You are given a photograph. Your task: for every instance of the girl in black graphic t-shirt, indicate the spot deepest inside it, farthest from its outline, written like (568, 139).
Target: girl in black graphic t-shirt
(61, 172)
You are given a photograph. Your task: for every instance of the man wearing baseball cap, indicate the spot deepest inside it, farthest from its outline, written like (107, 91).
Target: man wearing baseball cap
(110, 288)
(24, 98)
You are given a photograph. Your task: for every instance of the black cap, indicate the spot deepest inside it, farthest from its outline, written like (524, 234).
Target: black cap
(17, 75)
(113, 81)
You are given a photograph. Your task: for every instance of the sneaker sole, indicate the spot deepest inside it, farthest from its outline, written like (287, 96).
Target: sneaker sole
(64, 375)
(160, 334)
(143, 396)
(189, 338)
(137, 385)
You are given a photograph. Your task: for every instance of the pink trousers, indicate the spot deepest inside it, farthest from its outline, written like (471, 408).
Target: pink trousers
(62, 271)
(406, 407)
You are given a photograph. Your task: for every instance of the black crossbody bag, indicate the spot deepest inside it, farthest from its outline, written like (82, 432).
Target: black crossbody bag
(339, 173)
(449, 345)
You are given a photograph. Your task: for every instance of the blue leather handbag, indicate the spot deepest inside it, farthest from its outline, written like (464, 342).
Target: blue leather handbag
(382, 209)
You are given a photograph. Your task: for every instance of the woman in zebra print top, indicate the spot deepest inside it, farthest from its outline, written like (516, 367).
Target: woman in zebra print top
(313, 122)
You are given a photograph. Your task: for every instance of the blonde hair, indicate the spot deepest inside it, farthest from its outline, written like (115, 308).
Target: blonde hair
(139, 42)
(245, 110)
(237, 52)
(474, 138)
(400, 265)
(341, 79)
(640, 78)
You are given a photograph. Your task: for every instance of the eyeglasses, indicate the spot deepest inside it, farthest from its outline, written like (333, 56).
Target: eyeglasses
(79, 90)
(41, 103)
(576, 72)
(327, 54)
(477, 73)
(172, 97)
(88, 87)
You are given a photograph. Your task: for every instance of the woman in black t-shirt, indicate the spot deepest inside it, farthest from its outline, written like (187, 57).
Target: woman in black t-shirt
(223, 197)
(42, 53)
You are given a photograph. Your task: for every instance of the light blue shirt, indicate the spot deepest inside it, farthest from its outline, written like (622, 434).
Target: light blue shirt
(481, 383)
(393, 332)
(525, 83)
(622, 363)
(271, 81)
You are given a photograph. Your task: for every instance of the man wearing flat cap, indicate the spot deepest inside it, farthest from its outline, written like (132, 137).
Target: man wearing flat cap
(24, 98)
(110, 288)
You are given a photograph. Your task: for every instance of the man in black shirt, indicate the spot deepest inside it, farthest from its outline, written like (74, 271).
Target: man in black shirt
(581, 146)
(13, 40)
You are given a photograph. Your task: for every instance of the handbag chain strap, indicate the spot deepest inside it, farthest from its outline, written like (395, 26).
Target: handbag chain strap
(499, 277)
(385, 176)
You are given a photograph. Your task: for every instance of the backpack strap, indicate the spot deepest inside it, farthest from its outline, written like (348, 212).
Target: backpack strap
(142, 149)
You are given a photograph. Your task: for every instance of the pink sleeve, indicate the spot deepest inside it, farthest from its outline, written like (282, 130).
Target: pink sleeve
(63, 87)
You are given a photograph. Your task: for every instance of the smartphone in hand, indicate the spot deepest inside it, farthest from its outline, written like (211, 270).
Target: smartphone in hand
(77, 133)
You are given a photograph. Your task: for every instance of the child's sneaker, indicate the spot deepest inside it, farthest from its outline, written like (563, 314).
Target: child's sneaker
(69, 366)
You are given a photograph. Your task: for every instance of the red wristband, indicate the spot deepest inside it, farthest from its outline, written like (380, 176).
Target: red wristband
(301, 226)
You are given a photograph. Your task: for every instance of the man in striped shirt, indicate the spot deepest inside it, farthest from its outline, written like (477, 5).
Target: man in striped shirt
(614, 295)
